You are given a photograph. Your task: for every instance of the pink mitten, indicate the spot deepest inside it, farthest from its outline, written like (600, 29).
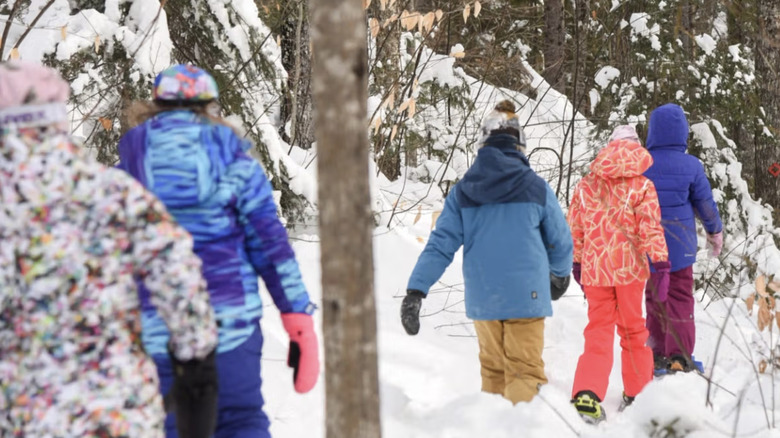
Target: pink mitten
(715, 243)
(303, 356)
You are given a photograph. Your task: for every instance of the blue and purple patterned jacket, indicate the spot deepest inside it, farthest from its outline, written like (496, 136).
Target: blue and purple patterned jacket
(221, 195)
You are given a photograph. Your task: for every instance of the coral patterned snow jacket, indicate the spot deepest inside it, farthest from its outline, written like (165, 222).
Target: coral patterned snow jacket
(74, 236)
(615, 218)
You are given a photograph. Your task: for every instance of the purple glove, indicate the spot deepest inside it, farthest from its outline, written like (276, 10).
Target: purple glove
(576, 272)
(659, 280)
(715, 243)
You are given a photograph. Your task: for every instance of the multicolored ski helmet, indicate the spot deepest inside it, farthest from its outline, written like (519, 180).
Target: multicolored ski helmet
(184, 84)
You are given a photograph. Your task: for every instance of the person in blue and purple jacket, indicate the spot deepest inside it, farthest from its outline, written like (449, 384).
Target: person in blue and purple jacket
(684, 194)
(199, 168)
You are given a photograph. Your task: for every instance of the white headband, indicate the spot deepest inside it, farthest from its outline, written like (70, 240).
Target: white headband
(27, 116)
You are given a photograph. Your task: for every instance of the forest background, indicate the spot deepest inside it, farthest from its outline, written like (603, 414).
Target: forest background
(574, 68)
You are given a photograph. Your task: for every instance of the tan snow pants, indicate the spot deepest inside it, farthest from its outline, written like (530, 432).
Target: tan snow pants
(510, 354)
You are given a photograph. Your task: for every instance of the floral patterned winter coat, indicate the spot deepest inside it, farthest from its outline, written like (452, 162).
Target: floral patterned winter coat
(73, 237)
(615, 218)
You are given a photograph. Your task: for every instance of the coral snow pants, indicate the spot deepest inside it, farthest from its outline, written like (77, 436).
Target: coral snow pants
(510, 354)
(608, 307)
(670, 323)
(240, 404)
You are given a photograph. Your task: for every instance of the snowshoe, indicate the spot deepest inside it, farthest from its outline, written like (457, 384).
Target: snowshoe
(660, 365)
(589, 408)
(680, 364)
(626, 402)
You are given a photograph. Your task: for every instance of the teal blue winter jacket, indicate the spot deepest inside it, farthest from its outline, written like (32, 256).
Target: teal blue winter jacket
(513, 234)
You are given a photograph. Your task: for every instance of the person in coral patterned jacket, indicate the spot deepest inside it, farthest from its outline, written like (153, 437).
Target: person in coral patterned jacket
(615, 221)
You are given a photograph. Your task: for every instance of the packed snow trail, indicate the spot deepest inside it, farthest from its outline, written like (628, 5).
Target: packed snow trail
(430, 383)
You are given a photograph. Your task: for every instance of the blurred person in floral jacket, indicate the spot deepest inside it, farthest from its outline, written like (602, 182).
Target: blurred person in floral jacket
(75, 238)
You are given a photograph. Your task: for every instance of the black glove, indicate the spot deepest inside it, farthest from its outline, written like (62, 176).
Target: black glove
(410, 311)
(558, 286)
(193, 396)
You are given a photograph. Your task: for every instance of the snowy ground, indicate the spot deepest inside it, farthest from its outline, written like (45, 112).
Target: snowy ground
(430, 383)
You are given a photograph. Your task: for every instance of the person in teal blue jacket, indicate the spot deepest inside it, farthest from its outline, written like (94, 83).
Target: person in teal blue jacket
(517, 257)
(202, 172)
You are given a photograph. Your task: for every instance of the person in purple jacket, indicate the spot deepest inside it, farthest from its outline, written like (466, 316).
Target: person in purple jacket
(684, 194)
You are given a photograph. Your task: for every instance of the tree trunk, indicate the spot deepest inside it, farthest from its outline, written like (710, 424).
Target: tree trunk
(554, 37)
(386, 72)
(341, 89)
(740, 30)
(735, 19)
(768, 81)
(297, 105)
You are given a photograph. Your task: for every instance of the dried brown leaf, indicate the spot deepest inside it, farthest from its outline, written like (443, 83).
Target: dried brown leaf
(761, 285)
(411, 21)
(393, 132)
(466, 13)
(404, 18)
(393, 92)
(777, 319)
(458, 55)
(376, 124)
(97, 43)
(373, 24)
(439, 13)
(749, 302)
(392, 3)
(428, 21)
(418, 216)
(420, 239)
(382, 5)
(64, 32)
(389, 102)
(366, 4)
(404, 106)
(412, 107)
(108, 124)
(434, 218)
(764, 317)
(762, 366)
(14, 53)
(774, 285)
(477, 8)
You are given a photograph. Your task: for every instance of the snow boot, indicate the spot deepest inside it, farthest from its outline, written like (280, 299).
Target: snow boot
(589, 407)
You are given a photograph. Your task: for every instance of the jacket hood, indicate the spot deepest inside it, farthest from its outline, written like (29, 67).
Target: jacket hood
(499, 171)
(668, 127)
(621, 159)
(38, 168)
(176, 154)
